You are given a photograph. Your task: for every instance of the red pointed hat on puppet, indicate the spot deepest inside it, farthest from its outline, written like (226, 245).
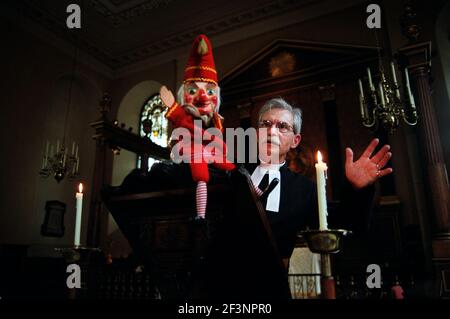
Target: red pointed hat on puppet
(200, 66)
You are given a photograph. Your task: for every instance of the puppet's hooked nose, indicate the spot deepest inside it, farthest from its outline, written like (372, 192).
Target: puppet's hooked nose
(202, 96)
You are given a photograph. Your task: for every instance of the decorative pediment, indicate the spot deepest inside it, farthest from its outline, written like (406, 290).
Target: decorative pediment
(291, 62)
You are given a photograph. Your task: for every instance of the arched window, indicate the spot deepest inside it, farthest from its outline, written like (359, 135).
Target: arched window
(153, 124)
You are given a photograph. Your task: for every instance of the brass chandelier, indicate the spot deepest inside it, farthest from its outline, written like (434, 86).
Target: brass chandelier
(57, 161)
(382, 104)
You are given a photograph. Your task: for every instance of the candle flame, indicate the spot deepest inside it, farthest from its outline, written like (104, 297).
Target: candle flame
(80, 188)
(319, 157)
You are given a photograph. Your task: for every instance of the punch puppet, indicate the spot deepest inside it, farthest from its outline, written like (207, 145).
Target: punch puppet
(197, 110)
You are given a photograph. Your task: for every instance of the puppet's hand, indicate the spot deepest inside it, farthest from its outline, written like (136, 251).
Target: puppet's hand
(166, 96)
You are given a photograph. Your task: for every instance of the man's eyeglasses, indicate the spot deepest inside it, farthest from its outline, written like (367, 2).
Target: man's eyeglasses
(283, 127)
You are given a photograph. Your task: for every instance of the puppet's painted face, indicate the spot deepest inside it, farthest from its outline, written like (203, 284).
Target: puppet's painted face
(202, 95)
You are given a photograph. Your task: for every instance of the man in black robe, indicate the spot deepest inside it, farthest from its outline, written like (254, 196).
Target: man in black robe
(292, 205)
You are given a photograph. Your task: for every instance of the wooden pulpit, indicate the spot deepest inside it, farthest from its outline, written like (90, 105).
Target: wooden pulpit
(232, 255)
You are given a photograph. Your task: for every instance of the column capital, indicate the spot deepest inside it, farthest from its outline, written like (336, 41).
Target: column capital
(416, 56)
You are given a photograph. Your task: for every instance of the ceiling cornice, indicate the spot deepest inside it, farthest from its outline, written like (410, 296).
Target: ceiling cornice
(118, 14)
(242, 24)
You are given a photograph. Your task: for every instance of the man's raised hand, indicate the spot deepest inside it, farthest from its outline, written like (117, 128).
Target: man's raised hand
(366, 170)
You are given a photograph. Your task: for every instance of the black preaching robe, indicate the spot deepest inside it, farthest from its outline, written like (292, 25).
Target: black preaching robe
(299, 209)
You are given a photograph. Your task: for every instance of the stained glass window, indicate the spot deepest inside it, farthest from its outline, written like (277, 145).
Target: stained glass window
(153, 124)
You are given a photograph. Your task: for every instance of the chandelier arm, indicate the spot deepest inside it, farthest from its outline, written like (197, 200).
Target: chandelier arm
(374, 120)
(405, 119)
(61, 163)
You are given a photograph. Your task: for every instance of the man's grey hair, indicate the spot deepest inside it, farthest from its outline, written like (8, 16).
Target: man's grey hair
(180, 96)
(279, 103)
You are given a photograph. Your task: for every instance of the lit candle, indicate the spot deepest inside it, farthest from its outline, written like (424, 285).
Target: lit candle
(321, 169)
(79, 207)
(360, 88)
(369, 75)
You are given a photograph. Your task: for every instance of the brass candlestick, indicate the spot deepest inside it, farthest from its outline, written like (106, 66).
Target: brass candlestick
(77, 254)
(325, 242)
